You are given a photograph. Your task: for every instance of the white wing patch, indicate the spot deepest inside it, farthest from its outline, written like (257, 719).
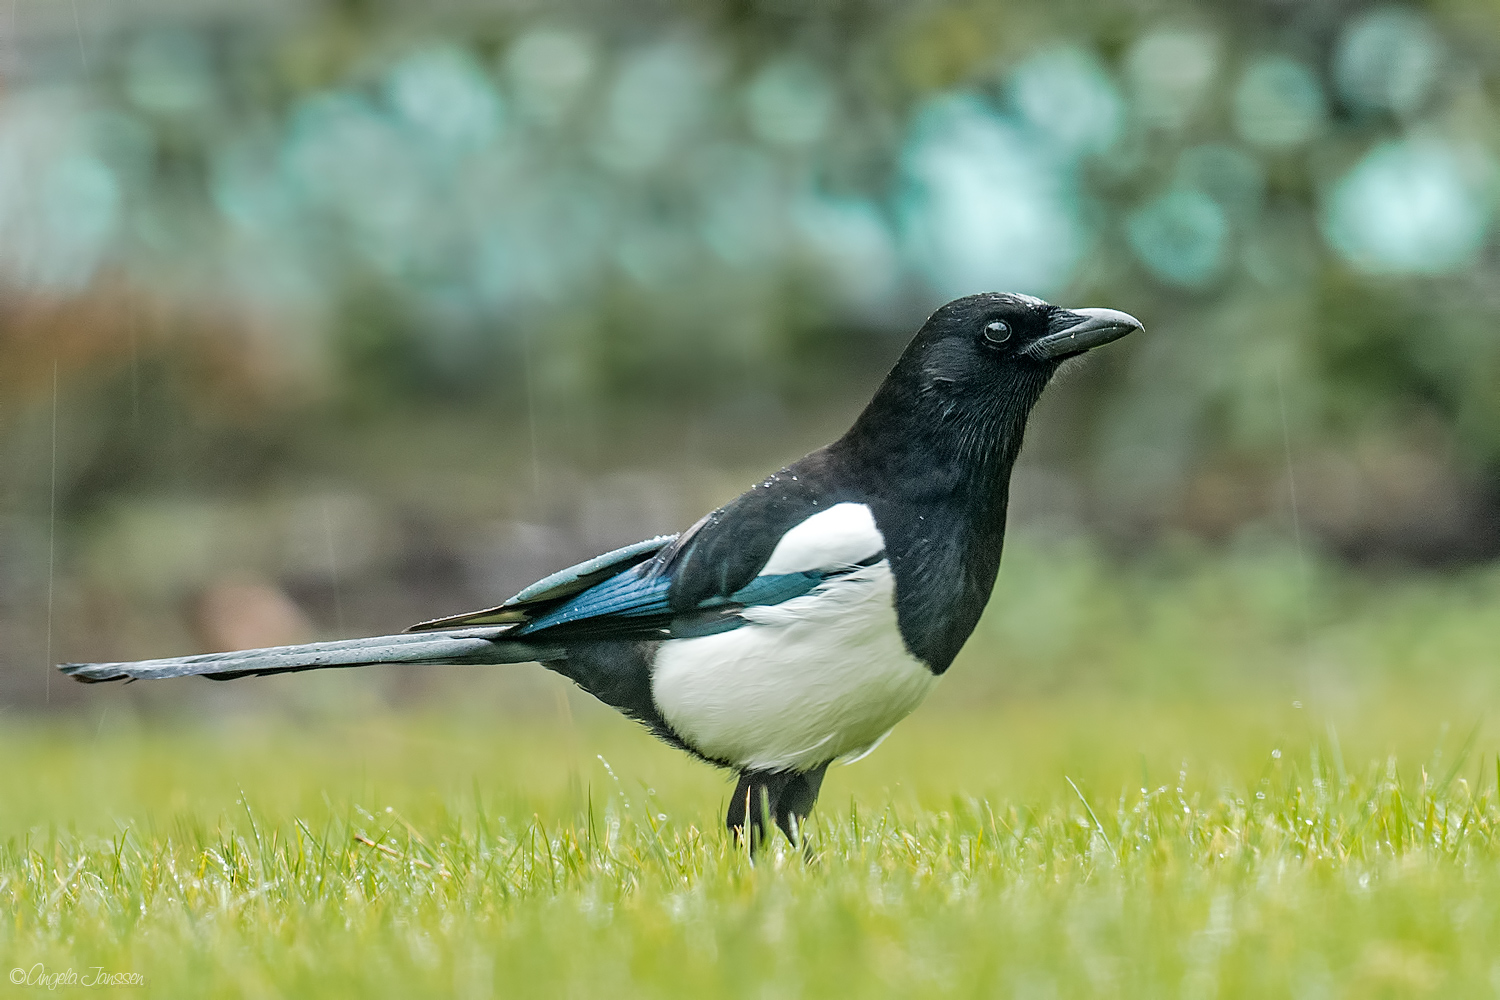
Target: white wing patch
(843, 535)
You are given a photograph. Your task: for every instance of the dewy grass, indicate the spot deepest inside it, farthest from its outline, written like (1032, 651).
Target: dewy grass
(1302, 871)
(1170, 781)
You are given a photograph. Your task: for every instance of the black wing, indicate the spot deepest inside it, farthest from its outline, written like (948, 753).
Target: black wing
(674, 586)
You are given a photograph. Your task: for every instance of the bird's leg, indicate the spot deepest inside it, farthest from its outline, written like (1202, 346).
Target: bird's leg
(754, 804)
(782, 797)
(797, 801)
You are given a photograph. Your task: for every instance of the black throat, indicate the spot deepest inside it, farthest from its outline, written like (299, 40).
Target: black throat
(939, 456)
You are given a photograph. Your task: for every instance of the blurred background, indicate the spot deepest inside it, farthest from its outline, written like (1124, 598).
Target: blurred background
(323, 318)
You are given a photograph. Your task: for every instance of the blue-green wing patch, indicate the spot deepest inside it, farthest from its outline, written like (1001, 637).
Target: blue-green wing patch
(557, 587)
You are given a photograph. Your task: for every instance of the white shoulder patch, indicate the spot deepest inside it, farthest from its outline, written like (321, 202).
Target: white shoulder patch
(842, 535)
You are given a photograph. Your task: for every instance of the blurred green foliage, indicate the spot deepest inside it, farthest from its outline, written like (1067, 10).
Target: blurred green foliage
(611, 204)
(460, 262)
(669, 199)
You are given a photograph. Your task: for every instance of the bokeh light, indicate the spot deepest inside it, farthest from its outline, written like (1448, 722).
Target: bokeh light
(1232, 178)
(1181, 237)
(483, 179)
(1170, 72)
(170, 71)
(657, 97)
(1278, 103)
(578, 210)
(1065, 95)
(789, 103)
(59, 201)
(987, 206)
(1387, 60)
(1410, 207)
(547, 69)
(445, 94)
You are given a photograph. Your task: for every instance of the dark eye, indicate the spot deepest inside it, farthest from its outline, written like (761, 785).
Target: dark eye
(997, 331)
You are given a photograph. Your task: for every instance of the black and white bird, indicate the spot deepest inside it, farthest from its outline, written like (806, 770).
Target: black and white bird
(796, 625)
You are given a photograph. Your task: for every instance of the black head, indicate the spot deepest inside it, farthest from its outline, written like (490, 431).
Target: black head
(984, 341)
(967, 381)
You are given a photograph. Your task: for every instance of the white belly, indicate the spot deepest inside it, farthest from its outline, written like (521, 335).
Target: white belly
(808, 681)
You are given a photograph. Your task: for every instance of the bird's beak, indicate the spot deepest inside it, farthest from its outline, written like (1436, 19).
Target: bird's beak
(1073, 331)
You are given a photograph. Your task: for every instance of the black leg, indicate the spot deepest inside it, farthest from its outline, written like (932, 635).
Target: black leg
(786, 797)
(755, 798)
(797, 801)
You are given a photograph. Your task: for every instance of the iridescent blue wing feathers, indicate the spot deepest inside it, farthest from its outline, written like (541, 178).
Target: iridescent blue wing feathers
(552, 590)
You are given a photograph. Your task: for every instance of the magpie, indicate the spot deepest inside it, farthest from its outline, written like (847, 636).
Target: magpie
(796, 625)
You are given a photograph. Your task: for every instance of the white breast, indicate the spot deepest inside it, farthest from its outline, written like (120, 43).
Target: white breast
(808, 681)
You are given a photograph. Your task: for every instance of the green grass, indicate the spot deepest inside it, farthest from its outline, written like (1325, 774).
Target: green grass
(1199, 787)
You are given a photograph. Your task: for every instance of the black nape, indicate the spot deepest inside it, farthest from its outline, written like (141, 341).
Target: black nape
(785, 797)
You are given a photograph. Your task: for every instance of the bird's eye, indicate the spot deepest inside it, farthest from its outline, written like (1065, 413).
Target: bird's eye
(997, 331)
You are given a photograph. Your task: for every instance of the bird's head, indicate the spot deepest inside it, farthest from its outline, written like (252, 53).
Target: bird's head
(969, 378)
(982, 342)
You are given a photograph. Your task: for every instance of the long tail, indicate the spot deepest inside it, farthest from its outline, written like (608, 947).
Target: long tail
(456, 646)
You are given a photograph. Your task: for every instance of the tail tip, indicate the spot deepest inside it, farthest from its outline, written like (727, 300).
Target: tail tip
(93, 673)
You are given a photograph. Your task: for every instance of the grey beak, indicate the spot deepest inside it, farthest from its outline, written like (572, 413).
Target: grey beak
(1073, 331)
